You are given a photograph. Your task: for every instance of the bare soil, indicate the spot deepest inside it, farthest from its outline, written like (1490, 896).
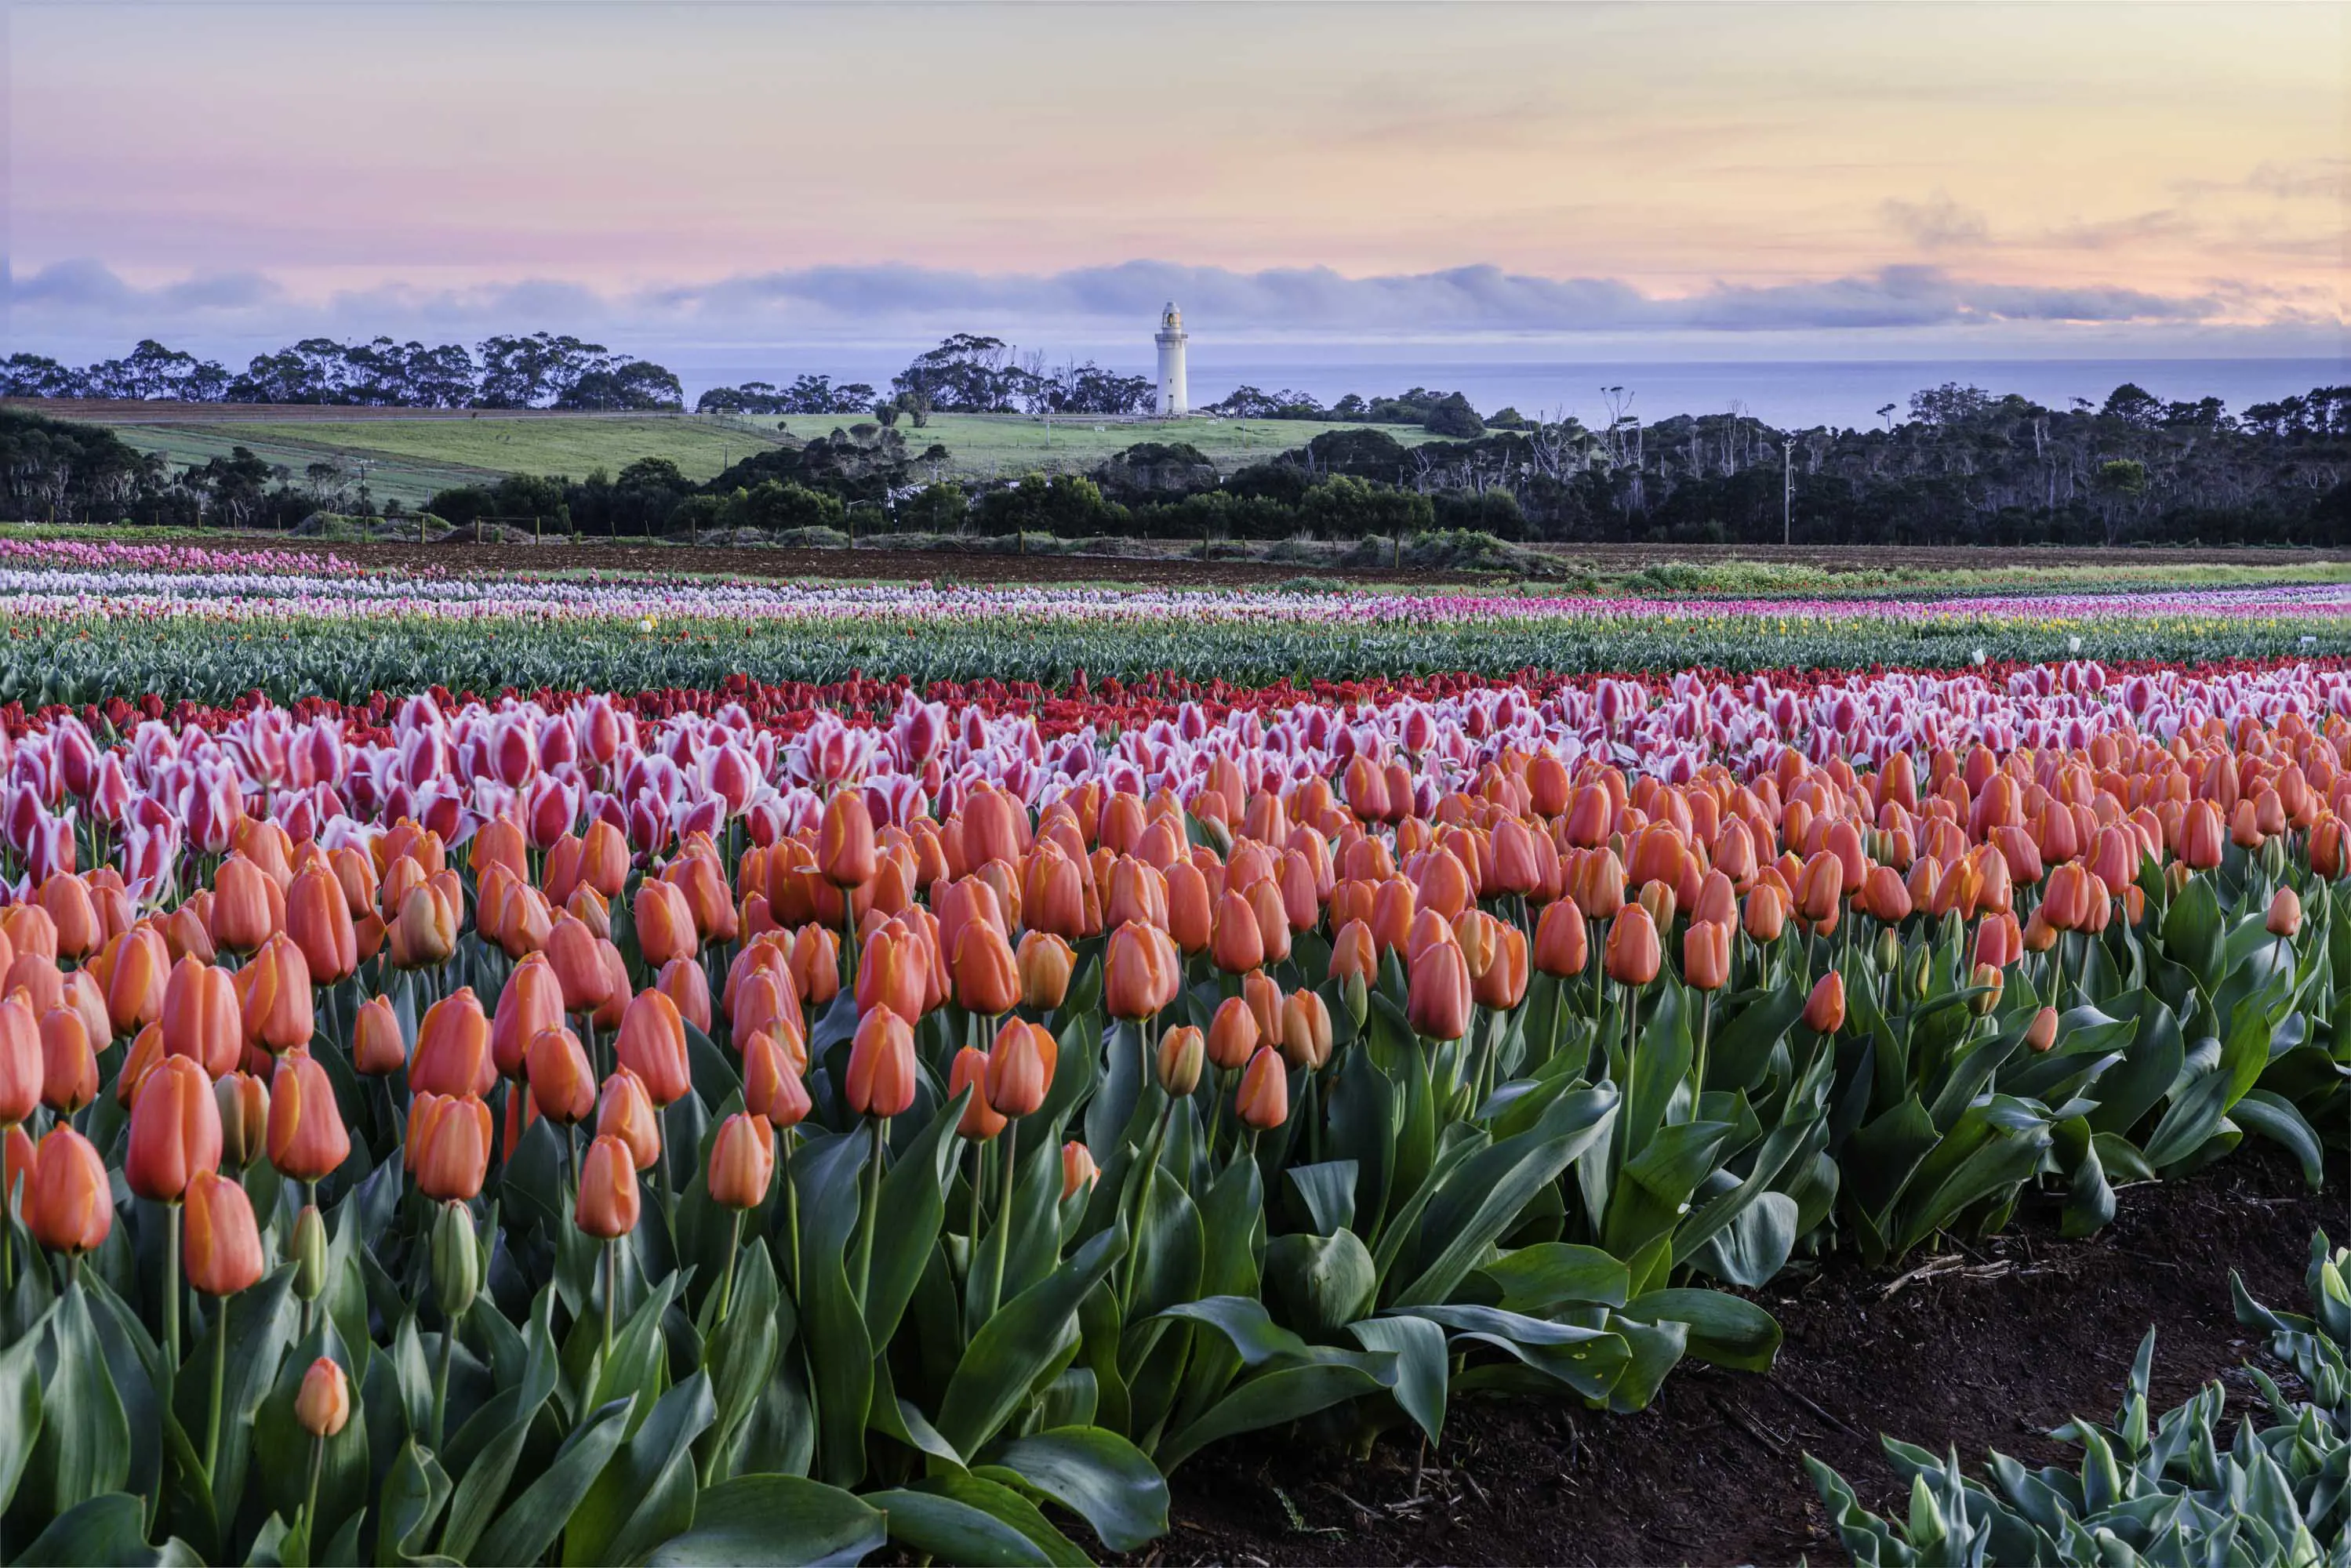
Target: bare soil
(1170, 567)
(1983, 1346)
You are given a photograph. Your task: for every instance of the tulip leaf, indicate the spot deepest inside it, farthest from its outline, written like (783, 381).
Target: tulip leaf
(826, 1172)
(1548, 1274)
(282, 1448)
(1422, 1362)
(2192, 935)
(945, 1528)
(530, 1524)
(1270, 1399)
(1100, 1477)
(1481, 1199)
(1015, 1345)
(2277, 1119)
(83, 1450)
(914, 1202)
(20, 1412)
(645, 1495)
(1729, 1331)
(775, 1520)
(1754, 1245)
(1327, 1193)
(2089, 1199)
(107, 1527)
(415, 1492)
(1652, 1350)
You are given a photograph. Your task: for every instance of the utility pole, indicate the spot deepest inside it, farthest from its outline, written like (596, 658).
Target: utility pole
(1788, 491)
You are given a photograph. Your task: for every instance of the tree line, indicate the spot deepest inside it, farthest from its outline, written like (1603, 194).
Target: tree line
(1965, 467)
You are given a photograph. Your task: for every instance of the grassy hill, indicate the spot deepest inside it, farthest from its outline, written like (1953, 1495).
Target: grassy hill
(408, 458)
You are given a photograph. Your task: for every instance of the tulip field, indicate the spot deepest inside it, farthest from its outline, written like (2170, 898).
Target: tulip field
(664, 1072)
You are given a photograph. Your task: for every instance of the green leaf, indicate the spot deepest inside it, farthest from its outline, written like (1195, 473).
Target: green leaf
(2276, 1118)
(531, 1522)
(1729, 1331)
(914, 1202)
(1422, 1365)
(825, 1172)
(110, 1528)
(1270, 1399)
(415, 1492)
(20, 1408)
(940, 1527)
(1483, 1195)
(646, 1494)
(1015, 1346)
(778, 1519)
(1536, 1279)
(84, 1446)
(1003, 1501)
(1588, 1359)
(1100, 1477)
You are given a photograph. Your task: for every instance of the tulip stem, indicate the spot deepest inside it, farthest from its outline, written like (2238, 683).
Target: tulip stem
(661, 1172)
(441, 1378)
(727, 1280)
(220, 1387)
(172, 1287)
(1003, 1217)
(1143, 1207)
(791, 1215)
(612, 1293)
(866, 1214)
(318, 1463)
(1705, 1027)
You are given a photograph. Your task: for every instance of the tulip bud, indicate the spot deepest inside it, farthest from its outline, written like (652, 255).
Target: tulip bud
(1824, 1009)
(175, 1132)
(1233, 1035)
(1986, 975)
(610, 1199)
(1019, 1069)
(2286, 913)
(1633, 957)
(244, 1101)
(1890, 951)
(308, 1250)
(772, 1082)
(1561, 943)
(562, 1084)
(1305, 1030)
(456, 1260)
(1917, 971)
(1182, 1052)
(324, 1403)
(65, 1200)
(881, 1076)
(2041, 1032)
(742, 1161)
(308, 1139)
(1078, 1168)
(653, 1046)
(979, 1121)
(377, 1049)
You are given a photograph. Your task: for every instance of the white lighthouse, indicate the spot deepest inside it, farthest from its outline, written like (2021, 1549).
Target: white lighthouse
(1175, 401)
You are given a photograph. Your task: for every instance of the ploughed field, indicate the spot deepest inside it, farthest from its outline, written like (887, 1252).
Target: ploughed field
(639, 1068)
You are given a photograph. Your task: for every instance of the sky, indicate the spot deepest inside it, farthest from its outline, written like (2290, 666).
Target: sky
(1904, 179)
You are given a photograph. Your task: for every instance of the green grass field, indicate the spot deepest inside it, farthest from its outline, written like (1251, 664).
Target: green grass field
(408, 459)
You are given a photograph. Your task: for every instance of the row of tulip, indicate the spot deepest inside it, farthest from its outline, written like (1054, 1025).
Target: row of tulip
(529, 1133)
(82, 635)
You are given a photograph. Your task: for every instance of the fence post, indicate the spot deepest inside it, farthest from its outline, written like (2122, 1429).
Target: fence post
(420, 526)
(538, 529)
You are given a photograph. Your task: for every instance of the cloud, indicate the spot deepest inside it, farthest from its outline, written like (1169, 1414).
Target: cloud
(1937, 222)
(84, 305)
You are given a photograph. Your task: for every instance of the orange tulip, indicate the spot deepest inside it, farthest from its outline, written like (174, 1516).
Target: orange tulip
(653, 1046)
(1824, 1009)
(742, 1161)
(1353, 955)
(1883, 897)
(426, 932)
(683, 983)
(69, 1065)
(318, 918)
(815, 966)
(891, 972)
(1191, 913)
(1767, 912)
(1706, 955)
(616, 987)
(1306, 1024)
(1504, 984)
(308, 1140)
(377, 1049)
(2070, 892)
(1181, 1050)
(1633, 957)
(1137, 892)
(1263, 1100)
(610, 1197)
(844, 848)
(274, 997)
(1141, 973)
(2201, 836)
(665, 927)
(1019, 1069)
(625, 1112)
(604, 858)
(242, 894)
(2041, 1032)
(452, 1049)
(980, 1121)
(323, 1405)
(562, 1084)
(135, 989)
(772, 1082)
(986, 976)
(449, 1145)
(66, 1202)
(1233, 1035)
(530, 1003)
(2284, 919)
(1238, 945)
(20, 1059)
(880, 1077)
(175, 1131)
(1438, 992)
(223, 1246)
(1563, 946)
(1045, 962)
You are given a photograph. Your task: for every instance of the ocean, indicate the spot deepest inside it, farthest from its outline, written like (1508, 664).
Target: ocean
(1785, 394)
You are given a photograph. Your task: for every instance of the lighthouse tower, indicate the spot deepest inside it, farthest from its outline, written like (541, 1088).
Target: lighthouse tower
(1175, 401)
